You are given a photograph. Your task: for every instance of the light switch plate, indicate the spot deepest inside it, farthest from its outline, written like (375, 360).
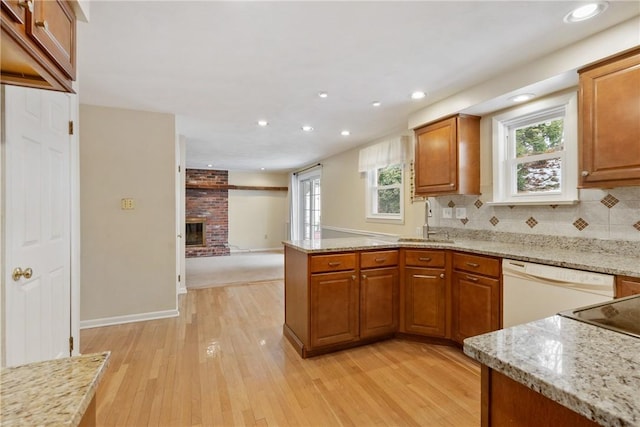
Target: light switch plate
(461, 213)
(447, 213)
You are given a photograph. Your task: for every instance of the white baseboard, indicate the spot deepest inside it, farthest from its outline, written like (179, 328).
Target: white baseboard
(244, 251)
(129, 318)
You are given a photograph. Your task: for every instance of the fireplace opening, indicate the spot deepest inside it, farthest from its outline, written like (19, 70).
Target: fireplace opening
(195, 232)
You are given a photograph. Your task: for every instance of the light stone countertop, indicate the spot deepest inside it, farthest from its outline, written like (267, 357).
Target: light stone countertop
(549, 252)
(50, 393)
(590, 370)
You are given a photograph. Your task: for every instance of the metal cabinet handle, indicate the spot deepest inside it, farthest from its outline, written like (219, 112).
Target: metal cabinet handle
(584, 173)
(18, 273)
(473, 264)
(442, 275)
(334, 264)
(471, 278)
(422, 276)
(364, 277)
(43, 24)
(26, 4)
(381, 259)
(425, 259)
(353, 277)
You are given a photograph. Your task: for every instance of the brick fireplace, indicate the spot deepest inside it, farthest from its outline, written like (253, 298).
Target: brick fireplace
(207, 212)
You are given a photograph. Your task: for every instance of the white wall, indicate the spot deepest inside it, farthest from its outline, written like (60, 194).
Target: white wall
(257, 218)
(128, 257)
(343, 198)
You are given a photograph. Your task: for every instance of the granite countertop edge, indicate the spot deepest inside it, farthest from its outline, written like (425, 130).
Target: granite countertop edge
(603, 393)
(567, 258)
(65, 407)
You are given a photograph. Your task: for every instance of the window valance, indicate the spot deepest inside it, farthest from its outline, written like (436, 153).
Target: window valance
(383, 154)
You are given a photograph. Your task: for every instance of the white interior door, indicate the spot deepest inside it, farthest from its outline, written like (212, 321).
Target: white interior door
(180, 214)
(36, 233)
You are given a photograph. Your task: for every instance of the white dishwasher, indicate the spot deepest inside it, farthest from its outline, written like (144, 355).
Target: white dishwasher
(534, 291)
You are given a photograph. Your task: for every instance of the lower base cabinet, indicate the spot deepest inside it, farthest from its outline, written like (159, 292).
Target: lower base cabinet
(425, 301)
(505, 402)
(627, 286)
(378, 302)
(334, 308)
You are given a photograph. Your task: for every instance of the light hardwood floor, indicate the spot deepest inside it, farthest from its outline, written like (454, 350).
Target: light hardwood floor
(225, 362)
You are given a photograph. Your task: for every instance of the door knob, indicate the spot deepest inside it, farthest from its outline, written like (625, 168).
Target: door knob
(18, 273)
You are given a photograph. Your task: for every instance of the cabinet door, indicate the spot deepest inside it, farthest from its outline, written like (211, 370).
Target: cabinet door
(627, 286)
(425, 301)
(53, 27)
(476, 305)
(334, 308)
(436, 161)
(610, 123)
(16, 10)
(378, 302)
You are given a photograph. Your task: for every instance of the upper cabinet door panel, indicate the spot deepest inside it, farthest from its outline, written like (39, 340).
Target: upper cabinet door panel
(17, 10)
(52, 26)
(610, 122)
(436, 157)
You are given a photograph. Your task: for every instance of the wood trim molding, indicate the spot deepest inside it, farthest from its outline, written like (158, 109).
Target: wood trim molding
(129, 318)
(191, 186)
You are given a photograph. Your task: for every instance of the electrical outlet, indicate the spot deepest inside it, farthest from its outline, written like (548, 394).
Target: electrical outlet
(461, 213)
(127, 204)
(447, 213)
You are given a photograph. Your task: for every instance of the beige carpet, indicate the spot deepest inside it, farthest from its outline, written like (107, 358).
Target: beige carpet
(205, 272)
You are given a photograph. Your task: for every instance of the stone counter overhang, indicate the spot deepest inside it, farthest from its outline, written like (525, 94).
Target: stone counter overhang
(618, 264)
(590, 370)
(50, 393)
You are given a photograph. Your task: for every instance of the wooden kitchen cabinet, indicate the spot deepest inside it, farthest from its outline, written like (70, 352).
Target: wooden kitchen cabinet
(447, 157)
(334, 308)
(338, 300)
(476, 290)
(425, 293)
(609, 122)
(38, 44)
(627, 286)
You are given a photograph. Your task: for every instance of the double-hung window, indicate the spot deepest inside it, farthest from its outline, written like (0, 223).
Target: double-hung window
(384, 192)
(535, 153)
(383, 164)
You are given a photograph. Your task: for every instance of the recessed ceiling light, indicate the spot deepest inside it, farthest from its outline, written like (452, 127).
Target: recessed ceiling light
(307, 128)
(209, 166)
(376, 103)
(586, 11)
(345, 133)
(323, 94)
(522, 97)
(261, 169)
(262, 123)
(418, 95)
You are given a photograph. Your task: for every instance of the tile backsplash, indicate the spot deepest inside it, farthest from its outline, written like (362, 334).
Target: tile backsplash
(612, 214)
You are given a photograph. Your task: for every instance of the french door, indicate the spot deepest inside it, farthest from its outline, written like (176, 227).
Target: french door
(307, 215)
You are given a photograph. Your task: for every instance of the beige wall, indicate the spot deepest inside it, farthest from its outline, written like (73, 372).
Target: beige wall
(128, 257)
(257, 218)
(343, 198)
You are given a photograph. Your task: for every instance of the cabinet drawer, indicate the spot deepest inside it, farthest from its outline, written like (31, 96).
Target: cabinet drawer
(378, 259)
(424, 258)
(476, 264)
(333, 262)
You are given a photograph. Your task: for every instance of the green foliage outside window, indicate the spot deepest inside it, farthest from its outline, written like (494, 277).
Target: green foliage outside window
(540, 138)
(389, 198)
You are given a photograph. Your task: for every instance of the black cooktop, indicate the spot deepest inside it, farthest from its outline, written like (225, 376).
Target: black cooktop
(620, 315)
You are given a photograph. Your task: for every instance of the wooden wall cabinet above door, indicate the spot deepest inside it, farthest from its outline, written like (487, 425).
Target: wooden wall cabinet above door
(38, 43)
(447, 157)
(609, 122)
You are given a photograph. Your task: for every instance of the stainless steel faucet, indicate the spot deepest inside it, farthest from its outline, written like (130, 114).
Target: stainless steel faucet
(425, 227)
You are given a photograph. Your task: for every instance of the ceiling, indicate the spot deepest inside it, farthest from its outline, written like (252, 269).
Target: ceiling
(222, 66)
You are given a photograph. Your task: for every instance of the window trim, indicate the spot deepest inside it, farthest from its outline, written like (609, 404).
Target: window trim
(504, 160)
(371, 187)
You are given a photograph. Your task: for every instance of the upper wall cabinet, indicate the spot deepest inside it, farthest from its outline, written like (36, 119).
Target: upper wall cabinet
(447, 157)
(38, 44)
(609, 122)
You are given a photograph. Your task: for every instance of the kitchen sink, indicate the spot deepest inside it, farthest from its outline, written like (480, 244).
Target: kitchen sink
(423, 240)
(619, 315)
